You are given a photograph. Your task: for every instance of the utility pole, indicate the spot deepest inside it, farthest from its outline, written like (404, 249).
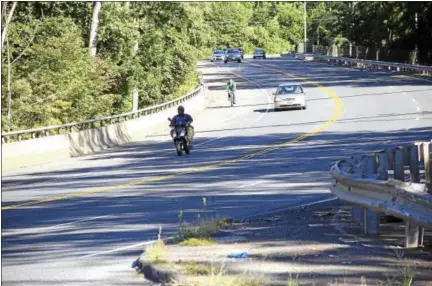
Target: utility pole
(304, 19)
(416, 44)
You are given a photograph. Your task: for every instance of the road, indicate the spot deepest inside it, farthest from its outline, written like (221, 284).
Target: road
(116, 200)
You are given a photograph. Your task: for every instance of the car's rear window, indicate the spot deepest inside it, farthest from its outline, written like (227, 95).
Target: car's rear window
(290, 89)
(218, 52)
(232, 51)
(259, 50)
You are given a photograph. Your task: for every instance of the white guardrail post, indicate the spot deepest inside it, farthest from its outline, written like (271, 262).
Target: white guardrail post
(394, 181)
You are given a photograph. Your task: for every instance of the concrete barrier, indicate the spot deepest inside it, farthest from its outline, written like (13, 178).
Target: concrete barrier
(47, 149)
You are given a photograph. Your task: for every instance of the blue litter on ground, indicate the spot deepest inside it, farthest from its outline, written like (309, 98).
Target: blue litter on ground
(238, 255)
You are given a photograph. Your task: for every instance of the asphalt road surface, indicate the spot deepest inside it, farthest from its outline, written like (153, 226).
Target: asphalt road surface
(248, 159)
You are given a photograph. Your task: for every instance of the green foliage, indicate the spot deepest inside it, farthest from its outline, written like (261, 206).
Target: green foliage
(56, 81)
(153, 47)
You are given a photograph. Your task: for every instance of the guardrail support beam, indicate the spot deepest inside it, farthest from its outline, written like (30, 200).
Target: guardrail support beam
(357, 214)
(371, 167)
(414, 166)
(427, 162)
(371, 222)
(398, 165)
(390, 158)
(383, 166)
(413, 235)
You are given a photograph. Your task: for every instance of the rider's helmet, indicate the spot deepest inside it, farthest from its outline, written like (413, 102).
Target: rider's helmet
(180, 109)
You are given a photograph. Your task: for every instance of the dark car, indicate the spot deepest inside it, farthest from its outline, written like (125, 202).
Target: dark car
(233, 55)
(259, 53)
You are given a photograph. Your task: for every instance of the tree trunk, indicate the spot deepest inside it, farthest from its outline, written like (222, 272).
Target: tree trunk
(3, 11)
(6, 24)
(94, 28)
(9, 92)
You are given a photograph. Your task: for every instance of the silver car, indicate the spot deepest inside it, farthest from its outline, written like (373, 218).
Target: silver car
(233, 55)
(259, 53)
(218, 55)
(290, 95)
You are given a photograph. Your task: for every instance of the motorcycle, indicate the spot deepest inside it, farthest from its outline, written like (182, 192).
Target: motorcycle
(178, 134)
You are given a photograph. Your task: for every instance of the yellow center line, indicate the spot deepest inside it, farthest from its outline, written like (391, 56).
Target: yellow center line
(335, 116)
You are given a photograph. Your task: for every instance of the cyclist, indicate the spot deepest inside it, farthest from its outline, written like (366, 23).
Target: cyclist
(231, 88)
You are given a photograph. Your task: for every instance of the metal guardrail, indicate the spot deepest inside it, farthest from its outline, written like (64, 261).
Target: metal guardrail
(426, 70)
(395, 181)
(94, 123)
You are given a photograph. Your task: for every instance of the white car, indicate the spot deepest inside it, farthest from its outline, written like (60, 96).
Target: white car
(218, 55)
(290, 95)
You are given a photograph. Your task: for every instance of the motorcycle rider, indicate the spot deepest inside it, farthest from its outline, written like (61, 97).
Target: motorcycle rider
(231, 88)
(183, 118)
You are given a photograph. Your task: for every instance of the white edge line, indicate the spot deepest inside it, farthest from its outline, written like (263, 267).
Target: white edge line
(251, 184)
(124, 247)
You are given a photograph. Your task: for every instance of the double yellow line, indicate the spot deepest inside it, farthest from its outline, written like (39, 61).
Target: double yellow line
(335, 116)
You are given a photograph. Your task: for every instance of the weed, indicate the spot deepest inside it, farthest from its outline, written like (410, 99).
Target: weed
(198, 242)
(181, 218)
(204, 230)
(292, 281)
(405, 276)
(222, 280)
(157, 253)
(198, 269)
(204, 201)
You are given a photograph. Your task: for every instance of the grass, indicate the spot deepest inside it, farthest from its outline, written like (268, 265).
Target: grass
(197, 269)
(215, 275)
(157, 253)
(198, 242)
(405, 275)
(292, 281)
(204, 230)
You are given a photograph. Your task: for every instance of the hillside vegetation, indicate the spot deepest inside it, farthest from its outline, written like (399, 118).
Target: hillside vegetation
(72, 61)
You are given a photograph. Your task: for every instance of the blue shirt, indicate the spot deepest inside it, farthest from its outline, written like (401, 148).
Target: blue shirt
(181, 120)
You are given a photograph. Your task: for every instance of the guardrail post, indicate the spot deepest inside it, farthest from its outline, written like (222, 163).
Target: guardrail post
(357, 214)
(33, 135)
(370, 222)
(406, 154)
(399, 170)
(419, 146)
(19, 137)
(413, 235)
(427, 163)
(46, 133)
(414, 166)
(4, 140)
(383, 166)
(371, 167)
(390, 158)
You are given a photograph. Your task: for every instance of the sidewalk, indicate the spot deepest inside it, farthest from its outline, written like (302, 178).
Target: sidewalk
(320, 244)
